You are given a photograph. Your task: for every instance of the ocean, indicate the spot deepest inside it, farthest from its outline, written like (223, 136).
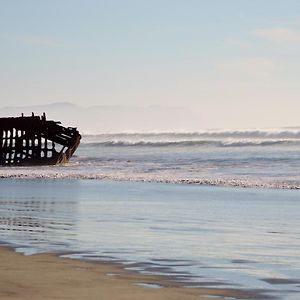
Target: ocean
(206, 209)
(249, 158)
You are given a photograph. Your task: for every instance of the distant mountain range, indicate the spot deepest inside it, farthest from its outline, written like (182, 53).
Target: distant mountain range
(97, 119)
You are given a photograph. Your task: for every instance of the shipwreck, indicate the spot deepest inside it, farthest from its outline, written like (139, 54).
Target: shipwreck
(34, 140)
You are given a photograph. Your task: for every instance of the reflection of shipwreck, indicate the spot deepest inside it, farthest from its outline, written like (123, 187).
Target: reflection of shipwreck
(34, 140)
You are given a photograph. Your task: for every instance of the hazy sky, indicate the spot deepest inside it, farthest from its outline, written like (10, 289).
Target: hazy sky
(236, 63)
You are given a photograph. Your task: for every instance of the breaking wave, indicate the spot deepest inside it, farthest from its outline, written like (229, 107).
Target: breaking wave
(207, 138)
(191, 143)
(253, 134)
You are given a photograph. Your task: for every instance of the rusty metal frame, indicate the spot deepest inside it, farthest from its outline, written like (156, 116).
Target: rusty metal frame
(33, 140)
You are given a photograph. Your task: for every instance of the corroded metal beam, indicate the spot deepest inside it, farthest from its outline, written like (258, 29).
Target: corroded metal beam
(33, 140)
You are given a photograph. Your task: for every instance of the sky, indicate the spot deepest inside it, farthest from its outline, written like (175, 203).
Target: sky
(233, 63)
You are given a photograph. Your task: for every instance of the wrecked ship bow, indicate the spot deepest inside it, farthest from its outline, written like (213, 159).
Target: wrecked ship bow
(33, 140)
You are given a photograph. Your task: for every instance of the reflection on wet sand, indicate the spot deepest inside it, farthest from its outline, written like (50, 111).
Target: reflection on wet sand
(194, 236)
(29, 221)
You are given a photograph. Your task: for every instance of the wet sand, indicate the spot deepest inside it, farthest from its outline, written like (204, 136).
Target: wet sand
(47, 276)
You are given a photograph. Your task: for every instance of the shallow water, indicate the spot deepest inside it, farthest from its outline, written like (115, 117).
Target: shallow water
(201, 236)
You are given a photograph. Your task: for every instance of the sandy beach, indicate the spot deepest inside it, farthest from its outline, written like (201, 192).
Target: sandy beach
(50, 277)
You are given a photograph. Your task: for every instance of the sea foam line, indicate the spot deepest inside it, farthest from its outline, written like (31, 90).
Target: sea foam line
(226, 182)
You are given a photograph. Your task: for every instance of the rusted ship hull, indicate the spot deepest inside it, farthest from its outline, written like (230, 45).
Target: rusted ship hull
(33, 140)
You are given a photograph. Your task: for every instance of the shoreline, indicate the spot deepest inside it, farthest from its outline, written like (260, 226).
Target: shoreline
(50, 276)
(209, 182)
(86, 221)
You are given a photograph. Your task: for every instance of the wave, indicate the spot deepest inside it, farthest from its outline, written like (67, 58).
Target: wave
(217, 138)
(286, 133)
(192, 143)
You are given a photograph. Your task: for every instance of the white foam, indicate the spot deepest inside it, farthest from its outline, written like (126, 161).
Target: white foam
(30, 173)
